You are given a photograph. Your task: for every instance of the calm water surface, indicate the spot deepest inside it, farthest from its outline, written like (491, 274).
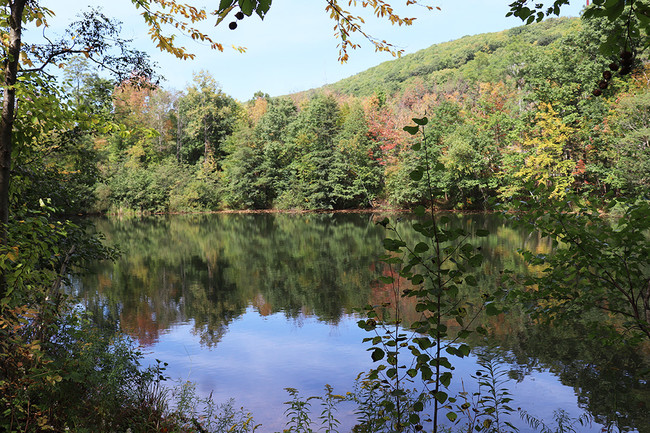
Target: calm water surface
(245, 305)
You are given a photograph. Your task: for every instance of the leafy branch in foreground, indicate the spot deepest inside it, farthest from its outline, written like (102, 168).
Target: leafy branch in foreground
(184, 18)
(435, 270)
(598, 263)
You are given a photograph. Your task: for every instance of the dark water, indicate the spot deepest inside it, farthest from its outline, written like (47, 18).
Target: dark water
(246, 305)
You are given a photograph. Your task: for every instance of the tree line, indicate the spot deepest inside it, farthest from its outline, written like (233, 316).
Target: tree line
(521, 111)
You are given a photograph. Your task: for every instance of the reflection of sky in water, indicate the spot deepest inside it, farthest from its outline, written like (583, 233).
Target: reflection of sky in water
(260, 356)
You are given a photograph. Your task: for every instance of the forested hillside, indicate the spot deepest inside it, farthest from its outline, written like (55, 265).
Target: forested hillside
(535, 104)
(485, 57)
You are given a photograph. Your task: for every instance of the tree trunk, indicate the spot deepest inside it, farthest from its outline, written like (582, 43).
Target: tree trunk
(178, 136)
(206, 147)
(6, 125)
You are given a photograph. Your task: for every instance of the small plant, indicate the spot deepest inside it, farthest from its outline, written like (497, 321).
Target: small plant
(564, 423)
(494, 397)
(329, 404)
(377, 411)
(487, 409)
(203, 415)
(297, 412)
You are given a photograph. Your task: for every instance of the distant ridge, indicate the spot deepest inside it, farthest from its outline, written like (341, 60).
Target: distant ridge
(490, 55)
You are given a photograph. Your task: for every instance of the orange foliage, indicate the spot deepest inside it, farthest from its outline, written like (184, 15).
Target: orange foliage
(141, 325)
(384, 129)
(257, 109)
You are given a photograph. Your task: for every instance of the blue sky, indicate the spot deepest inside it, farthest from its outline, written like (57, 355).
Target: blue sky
(294, 48)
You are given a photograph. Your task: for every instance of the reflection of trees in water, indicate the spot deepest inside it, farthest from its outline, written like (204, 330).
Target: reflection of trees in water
(499, 251)
(605, 374)
(608, 376)
(210, 268)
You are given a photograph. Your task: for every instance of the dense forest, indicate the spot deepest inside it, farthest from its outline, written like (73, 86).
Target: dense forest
(535, 104)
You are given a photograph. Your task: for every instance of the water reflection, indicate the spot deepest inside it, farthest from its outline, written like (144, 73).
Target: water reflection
(212, 295)
(209, 268)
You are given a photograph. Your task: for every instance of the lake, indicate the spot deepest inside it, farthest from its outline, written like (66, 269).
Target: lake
(246, 305)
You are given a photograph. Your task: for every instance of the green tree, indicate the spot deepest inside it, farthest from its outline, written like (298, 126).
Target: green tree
(95, 36)
(248, 173)
(141, 109)
(402, 189)
(468, 166)
(630, 121)
(208, 117)
(360, 158)
(85, 89)
(316, 168)
(272, 126)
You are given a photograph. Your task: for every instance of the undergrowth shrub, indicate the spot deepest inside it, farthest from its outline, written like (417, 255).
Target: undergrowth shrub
(82, 379)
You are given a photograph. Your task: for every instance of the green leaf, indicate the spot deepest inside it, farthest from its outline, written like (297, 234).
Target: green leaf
(476, 260)
(482, 233)
(393, 244)
(419, 210)
(467, 249)
(441, 396)
(642, 15)
(614, 8)
(416, 174)
(246, 7)
(377, 354)
(411, 129)
(470, 280)
(492, 309)
(414, 418)
(383, 222)
(416, 147)
(263, 7)
(421, 121)
(445, 378)
(452, 416)
(421, 247)
(225, 4)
